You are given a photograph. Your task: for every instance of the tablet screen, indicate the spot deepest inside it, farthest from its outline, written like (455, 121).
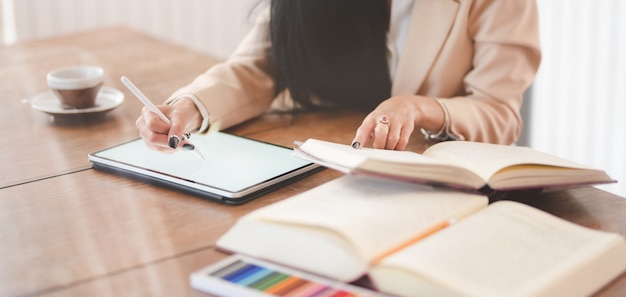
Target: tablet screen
(235, 166)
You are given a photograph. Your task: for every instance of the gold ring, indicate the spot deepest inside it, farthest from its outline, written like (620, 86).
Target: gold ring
(384, 120)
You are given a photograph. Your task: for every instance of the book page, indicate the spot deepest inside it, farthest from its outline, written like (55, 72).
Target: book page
(510, 249)
(486, 159)
(349, 157)
(372, 215)
(399, 165)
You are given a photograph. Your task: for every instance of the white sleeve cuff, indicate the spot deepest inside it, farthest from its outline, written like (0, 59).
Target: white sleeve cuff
(204, 126)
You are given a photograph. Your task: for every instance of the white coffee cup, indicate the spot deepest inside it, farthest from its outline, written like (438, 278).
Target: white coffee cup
(76, 86)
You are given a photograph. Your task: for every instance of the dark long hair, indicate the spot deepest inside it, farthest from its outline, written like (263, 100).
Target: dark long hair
(332, 49)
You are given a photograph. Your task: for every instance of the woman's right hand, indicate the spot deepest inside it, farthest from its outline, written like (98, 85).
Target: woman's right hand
(158, 135)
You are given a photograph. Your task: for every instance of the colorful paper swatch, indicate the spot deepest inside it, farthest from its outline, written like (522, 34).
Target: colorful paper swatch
(254, 278)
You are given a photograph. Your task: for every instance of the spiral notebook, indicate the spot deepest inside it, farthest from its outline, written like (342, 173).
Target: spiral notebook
(236, 169)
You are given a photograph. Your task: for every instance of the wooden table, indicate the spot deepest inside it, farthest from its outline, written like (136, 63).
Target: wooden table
(69, 230)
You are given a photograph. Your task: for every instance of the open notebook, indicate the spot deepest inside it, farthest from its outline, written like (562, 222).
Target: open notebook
(236, 170)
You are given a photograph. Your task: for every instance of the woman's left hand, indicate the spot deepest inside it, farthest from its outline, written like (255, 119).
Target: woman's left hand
(391, 123)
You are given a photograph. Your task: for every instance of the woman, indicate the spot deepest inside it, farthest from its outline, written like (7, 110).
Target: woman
(456, 69)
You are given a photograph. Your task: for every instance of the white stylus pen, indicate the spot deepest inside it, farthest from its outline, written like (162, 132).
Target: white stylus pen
(129, 84)
(155, 110)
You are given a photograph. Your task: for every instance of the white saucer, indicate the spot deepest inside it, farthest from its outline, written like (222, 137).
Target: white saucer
(108, 99)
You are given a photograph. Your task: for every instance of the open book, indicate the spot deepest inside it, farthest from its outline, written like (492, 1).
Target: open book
(413, 240)
(476, 166)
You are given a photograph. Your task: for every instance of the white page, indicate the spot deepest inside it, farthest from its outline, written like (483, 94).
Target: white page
(373, 215)
(507, 249)
(486, 159)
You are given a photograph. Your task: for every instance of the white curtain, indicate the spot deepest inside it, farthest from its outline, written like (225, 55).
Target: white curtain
(214, 27)
(578, 108)
(7, 22)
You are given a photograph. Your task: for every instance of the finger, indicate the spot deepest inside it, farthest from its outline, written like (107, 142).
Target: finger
(364, 133)
(405, 135)
(393, 137)
(399, 133)
(153, 122)
(381, 132)
(177, 129)
(153, 139)
(162, 134)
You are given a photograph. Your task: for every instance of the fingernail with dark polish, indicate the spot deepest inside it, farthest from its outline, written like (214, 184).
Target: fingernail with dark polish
(188, 146)
(356, 144)
(173, 143)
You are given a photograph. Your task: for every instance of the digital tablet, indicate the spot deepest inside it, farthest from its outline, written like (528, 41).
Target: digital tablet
(235, 170)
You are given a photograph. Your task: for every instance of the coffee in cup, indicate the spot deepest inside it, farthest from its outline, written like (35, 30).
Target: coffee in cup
(76, 86)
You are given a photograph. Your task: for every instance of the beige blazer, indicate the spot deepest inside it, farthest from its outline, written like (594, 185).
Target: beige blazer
(478, 55)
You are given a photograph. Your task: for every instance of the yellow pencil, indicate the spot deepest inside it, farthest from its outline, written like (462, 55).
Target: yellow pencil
(413, 240)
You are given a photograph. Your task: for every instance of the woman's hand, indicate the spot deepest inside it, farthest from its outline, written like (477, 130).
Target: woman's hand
(391, 123)
(159, 136)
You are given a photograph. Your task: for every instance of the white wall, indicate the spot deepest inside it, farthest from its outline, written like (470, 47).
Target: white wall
(579, 97)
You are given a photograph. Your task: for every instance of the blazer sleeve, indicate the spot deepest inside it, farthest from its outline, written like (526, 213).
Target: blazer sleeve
(506, 57)
(241, 87)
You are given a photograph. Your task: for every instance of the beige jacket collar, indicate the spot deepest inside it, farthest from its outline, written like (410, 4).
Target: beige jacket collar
(423, 42)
